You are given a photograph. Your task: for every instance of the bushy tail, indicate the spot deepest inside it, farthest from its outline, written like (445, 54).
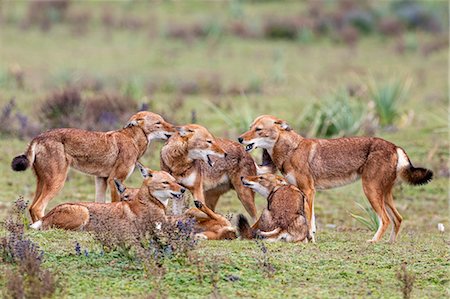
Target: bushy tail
(244, 228)
(416, 176)
(22, 162)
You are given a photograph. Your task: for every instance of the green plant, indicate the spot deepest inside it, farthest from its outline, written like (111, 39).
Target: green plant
(369, 218)
(336, 116)
(387, 98)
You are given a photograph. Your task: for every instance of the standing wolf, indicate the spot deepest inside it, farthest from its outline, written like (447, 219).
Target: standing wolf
(105, 155)
(315, 164)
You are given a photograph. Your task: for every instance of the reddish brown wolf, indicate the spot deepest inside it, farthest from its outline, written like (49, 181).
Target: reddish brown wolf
(284, 218)
(208, 166)
(149, 206)
(105, 155)
(315, 164)
(208, 224)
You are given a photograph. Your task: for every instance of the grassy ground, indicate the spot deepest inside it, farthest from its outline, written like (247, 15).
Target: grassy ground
(292, 76)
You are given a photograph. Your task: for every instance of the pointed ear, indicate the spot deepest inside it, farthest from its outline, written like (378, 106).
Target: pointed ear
(181, 130)
(120, 188)
(131, 123)
(144, 171)
(284, 125)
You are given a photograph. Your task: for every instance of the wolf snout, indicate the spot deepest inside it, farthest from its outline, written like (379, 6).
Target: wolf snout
(183, 190)
(198, 204)
(242, 178)
(225, 155)
(240, 139)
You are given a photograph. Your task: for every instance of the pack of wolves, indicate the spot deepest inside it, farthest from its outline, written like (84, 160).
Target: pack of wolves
(193, 159)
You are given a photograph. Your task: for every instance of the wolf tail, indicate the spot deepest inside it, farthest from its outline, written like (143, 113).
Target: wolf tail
(22, 162)
(410, 174)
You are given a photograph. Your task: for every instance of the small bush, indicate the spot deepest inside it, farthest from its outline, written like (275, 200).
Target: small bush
(14, 123)
(281, 28)
(143, 240)
(107, 111)
(62, 109)
(44, 13)
(390, 26)
(26, 278)
(102, 112)
(388, 98)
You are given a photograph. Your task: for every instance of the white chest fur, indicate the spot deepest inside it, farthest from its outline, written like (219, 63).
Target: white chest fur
(189, 181)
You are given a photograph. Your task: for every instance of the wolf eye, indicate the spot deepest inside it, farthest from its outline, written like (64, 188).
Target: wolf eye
(258, 129)
(190, 131)
(158, 123)
(166, 183)
(260, 178)
(209, 141)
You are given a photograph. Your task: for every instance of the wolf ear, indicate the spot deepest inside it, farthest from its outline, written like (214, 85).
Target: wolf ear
(181, 130)
(131, 123)
(120, 188)
(284, 125)
(144, 171)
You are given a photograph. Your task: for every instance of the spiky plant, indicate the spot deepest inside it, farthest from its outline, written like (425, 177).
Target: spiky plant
(388, 98)
(368, 218)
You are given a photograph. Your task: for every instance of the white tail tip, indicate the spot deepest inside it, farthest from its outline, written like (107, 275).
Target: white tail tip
(36, 225)
(441, 227)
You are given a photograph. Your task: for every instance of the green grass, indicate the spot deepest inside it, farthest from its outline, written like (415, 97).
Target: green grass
(341, 264)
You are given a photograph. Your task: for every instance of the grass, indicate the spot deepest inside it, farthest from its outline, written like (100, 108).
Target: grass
(292, 76)
(347, 263)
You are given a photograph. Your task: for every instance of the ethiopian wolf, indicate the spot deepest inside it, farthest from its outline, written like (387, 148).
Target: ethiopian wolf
(148, 206)
(315, 164)
(208, 166)
(105, 155)
(284, 218)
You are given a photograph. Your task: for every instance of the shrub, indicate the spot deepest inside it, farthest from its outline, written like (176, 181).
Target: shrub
(390, 26)
(15, 123)
(363, 20)
(44, 13)
(62, 109)
(142, 241)
(106, 111)
(102, 112)
(27, 279)
(387, 98)
(281, 28)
